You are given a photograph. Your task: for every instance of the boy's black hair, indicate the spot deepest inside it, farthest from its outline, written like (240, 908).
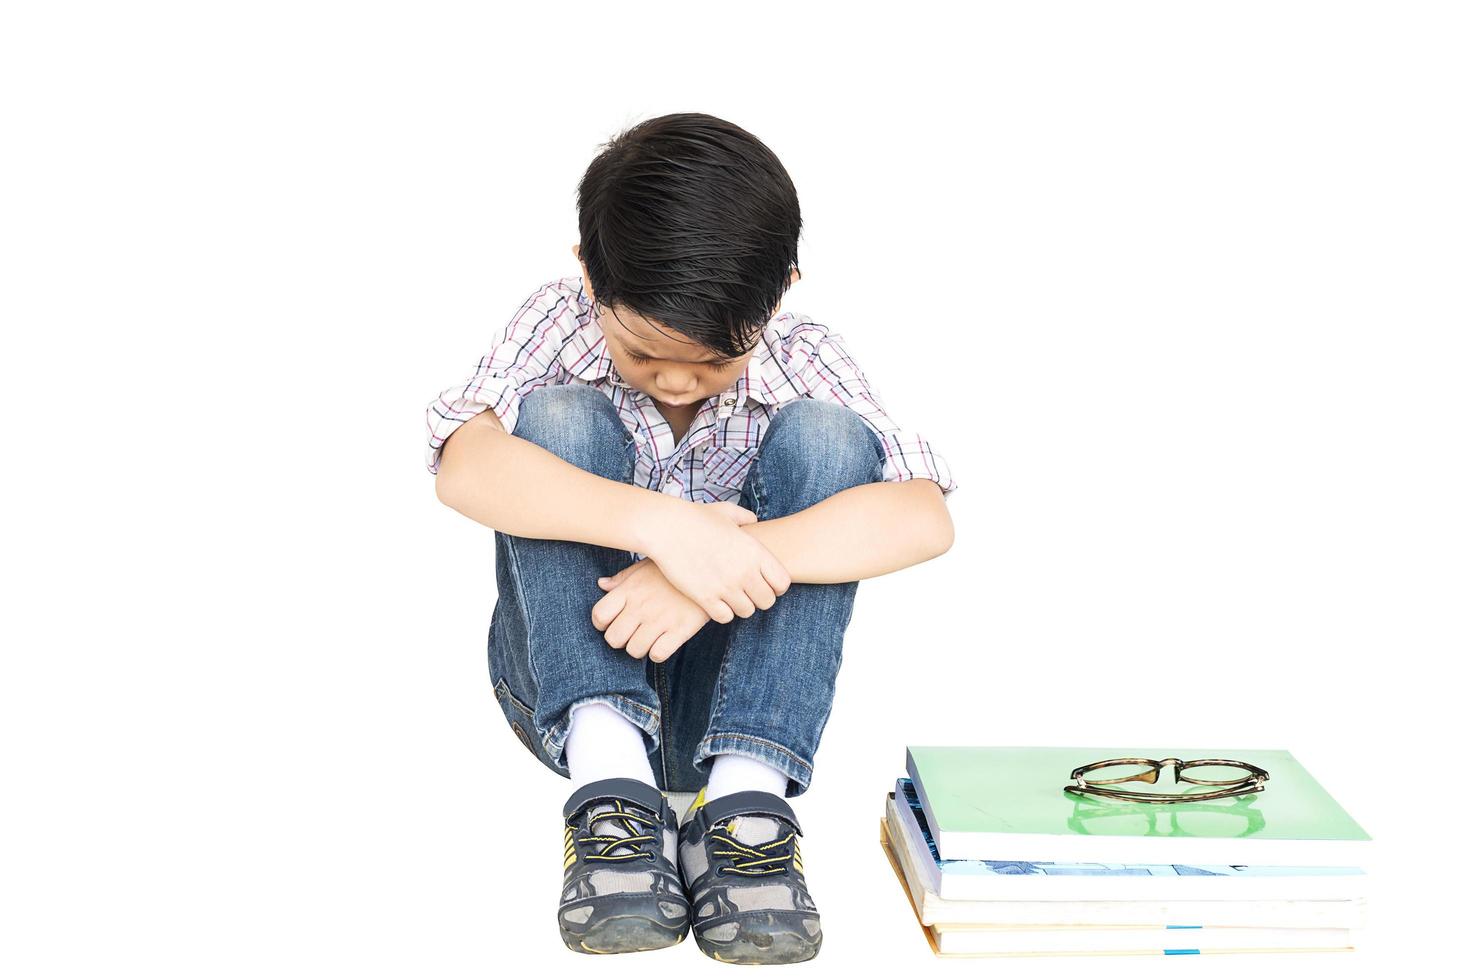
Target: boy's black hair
(690, 222)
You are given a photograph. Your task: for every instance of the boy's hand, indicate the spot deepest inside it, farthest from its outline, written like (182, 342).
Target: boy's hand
(644, 614)
(702, 552)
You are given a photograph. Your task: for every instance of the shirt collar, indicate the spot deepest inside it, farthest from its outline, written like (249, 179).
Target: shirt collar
(585, 355)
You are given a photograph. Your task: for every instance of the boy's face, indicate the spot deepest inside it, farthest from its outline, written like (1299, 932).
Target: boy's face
(670, 368)
(667, 366)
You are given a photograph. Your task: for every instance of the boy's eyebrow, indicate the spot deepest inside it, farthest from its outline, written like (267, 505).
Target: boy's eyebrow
(717, 359)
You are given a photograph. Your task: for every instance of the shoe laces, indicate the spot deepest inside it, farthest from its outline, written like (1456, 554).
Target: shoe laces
(631, 844)
(756, 859)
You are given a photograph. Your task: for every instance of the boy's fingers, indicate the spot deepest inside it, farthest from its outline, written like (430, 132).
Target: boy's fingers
(618, 633)
(611, 581)
(663, 648)
(674, 638)
(761, 593)
(718, 611)
(606, 609)
(642, 641)
(775, 573)
(742, 605)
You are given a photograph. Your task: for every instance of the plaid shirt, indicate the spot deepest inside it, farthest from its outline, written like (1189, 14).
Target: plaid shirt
(555, 339)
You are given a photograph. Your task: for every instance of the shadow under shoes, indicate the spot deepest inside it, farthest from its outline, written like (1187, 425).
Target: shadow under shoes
(621, 890)
(740, 858)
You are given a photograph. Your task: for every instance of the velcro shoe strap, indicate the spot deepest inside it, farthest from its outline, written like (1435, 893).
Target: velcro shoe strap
(749, 802)
(634, 791)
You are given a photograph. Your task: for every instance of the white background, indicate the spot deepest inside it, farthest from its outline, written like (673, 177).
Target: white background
(1178, 289)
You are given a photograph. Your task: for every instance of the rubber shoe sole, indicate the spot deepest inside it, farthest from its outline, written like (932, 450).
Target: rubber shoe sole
(759, 938)
(624, 934)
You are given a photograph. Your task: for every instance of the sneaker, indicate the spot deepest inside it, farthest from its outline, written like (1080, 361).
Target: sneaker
(740, 856)
(621, 890)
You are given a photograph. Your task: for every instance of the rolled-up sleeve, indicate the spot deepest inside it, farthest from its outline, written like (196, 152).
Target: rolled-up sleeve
(522, 358)
(829, 372)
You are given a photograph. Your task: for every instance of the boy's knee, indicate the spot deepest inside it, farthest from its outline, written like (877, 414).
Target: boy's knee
(576, 422)
(828, 444)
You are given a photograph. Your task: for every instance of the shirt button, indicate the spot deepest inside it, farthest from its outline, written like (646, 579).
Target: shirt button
(729, 401)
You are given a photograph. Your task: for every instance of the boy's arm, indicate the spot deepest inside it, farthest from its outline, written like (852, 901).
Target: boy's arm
(513, 485)
(873, 528)
(861, 532)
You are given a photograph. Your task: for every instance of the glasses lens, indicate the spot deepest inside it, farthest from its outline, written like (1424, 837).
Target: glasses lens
(1122, 773)
(1214, 773)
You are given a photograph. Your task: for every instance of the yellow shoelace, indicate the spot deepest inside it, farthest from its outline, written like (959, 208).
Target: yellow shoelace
(747, 859)
(633, 842)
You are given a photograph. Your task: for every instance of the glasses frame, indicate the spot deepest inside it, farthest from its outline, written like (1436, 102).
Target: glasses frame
(1253, 782)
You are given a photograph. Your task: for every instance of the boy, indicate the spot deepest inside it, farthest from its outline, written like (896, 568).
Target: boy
(642, 610)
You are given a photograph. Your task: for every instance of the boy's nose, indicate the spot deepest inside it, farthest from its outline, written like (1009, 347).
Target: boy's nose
(676, 384)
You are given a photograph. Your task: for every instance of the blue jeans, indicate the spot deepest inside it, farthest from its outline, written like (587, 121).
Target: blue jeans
(760, 686)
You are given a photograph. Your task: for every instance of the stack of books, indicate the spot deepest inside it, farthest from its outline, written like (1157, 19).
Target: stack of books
(997, 860)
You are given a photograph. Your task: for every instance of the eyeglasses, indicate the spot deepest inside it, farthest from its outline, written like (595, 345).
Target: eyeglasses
(1232, 778)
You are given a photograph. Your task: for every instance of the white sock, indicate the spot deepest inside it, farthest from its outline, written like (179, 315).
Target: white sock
(603, 744)
(734, 773)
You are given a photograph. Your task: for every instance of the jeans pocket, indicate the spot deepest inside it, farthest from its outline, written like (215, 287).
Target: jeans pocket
(520, 718)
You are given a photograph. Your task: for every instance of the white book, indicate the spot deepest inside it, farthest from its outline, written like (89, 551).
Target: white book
(1037, 909)
(950, 939)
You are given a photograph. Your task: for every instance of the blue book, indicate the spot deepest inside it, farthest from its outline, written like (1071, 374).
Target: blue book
(1006, 880)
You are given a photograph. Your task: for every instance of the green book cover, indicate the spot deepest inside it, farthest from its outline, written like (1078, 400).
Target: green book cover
(973, 794)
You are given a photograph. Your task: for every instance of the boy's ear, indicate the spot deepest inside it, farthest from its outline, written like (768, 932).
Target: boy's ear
(586, 279)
